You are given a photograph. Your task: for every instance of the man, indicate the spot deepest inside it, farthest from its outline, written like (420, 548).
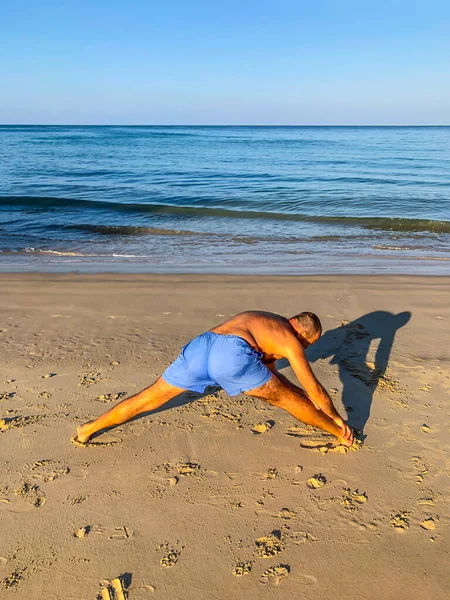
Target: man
(240, 356)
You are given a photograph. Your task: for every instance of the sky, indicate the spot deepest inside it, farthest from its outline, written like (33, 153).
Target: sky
(264, 62)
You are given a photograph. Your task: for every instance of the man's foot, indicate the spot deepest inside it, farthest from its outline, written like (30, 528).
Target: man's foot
(83, 433)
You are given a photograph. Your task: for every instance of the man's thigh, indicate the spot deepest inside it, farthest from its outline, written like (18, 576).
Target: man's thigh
(275, 389)
(270, 390)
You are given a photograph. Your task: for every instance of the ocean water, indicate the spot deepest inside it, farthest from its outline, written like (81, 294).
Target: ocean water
(225, 199)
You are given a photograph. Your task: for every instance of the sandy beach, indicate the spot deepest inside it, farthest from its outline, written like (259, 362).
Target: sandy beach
(213, 497)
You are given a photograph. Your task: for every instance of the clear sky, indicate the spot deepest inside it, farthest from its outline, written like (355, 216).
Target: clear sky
(265, 62)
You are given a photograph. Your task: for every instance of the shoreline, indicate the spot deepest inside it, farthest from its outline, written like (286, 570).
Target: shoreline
(105, 277)
(329, 265)
(190, 500)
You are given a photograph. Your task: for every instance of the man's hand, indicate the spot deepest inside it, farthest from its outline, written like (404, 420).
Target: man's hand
(347, 433)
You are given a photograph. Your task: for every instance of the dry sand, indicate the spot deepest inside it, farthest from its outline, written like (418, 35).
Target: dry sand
(212, 497)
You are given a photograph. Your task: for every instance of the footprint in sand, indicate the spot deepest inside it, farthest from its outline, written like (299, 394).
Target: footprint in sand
(171, 557)
(90, 378)
(19, 421)
(242, 568)
(271, 473)
(262, 427)
(76, 500)
(224, 502)
(116, 589)
(189, 469)
(4, 491)
(427, 500)
(106, 443)
(224, 415)
(274, 575)
(316, 481)
(116, 533)
(301, 537)
(82, 532)
(31, 493)
(322, 444)
(105, 594)
(270, 545)
(422, 469)
(400, 521)
(286, 513)
(317, 445)
(48, 470)
(13, 579)
(299, 431)
(110, 397)
(121, 533)
(350, 500)
(429, 524)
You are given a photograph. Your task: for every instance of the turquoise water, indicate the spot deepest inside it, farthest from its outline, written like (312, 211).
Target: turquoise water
(234, 199)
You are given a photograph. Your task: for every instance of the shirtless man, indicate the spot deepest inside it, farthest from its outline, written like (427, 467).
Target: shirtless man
(240, 356)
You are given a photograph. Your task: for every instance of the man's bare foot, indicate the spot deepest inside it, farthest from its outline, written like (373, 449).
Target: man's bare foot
(83, 433)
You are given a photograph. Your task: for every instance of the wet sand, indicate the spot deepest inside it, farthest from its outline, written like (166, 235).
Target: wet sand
(212, 497)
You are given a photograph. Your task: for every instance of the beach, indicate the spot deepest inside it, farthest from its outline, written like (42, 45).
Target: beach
(211, 496)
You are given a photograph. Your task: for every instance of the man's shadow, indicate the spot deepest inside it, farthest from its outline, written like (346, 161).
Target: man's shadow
(348, 346)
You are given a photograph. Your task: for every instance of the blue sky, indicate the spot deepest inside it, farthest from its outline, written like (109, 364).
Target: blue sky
(248, 62)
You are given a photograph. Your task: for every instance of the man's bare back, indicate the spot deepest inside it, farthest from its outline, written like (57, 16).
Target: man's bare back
(264, 331)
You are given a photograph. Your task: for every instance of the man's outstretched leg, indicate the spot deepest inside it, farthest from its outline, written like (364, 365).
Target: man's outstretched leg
(300, 406)
(149, 399)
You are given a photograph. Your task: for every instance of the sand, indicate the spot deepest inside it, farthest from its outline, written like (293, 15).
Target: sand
(212, 497)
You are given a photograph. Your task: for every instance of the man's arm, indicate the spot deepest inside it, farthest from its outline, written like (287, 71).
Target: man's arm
(322, 400)
(315, 390)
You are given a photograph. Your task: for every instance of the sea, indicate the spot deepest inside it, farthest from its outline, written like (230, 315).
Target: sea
(251, 200)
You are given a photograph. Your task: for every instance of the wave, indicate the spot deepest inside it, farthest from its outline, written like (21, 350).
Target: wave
(23, 251)
(129, 230)
(55, 252)
(383, 223)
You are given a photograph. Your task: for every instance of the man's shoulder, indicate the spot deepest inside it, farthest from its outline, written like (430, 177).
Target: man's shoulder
(271, 326)
(264, 315)
(264, 325)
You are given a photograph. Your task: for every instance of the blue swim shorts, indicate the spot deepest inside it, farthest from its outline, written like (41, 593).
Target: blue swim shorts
(215, 359)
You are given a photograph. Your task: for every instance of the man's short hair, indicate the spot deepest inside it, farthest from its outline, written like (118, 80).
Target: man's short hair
(309, 323)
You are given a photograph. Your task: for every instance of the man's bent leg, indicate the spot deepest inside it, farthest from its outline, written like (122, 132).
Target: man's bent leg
(149, 399)
(298, 405)
(293, 387)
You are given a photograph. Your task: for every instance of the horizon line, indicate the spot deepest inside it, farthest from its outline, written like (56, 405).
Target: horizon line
(197, 125)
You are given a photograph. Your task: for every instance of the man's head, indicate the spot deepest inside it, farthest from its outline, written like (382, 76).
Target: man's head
(306, 325)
